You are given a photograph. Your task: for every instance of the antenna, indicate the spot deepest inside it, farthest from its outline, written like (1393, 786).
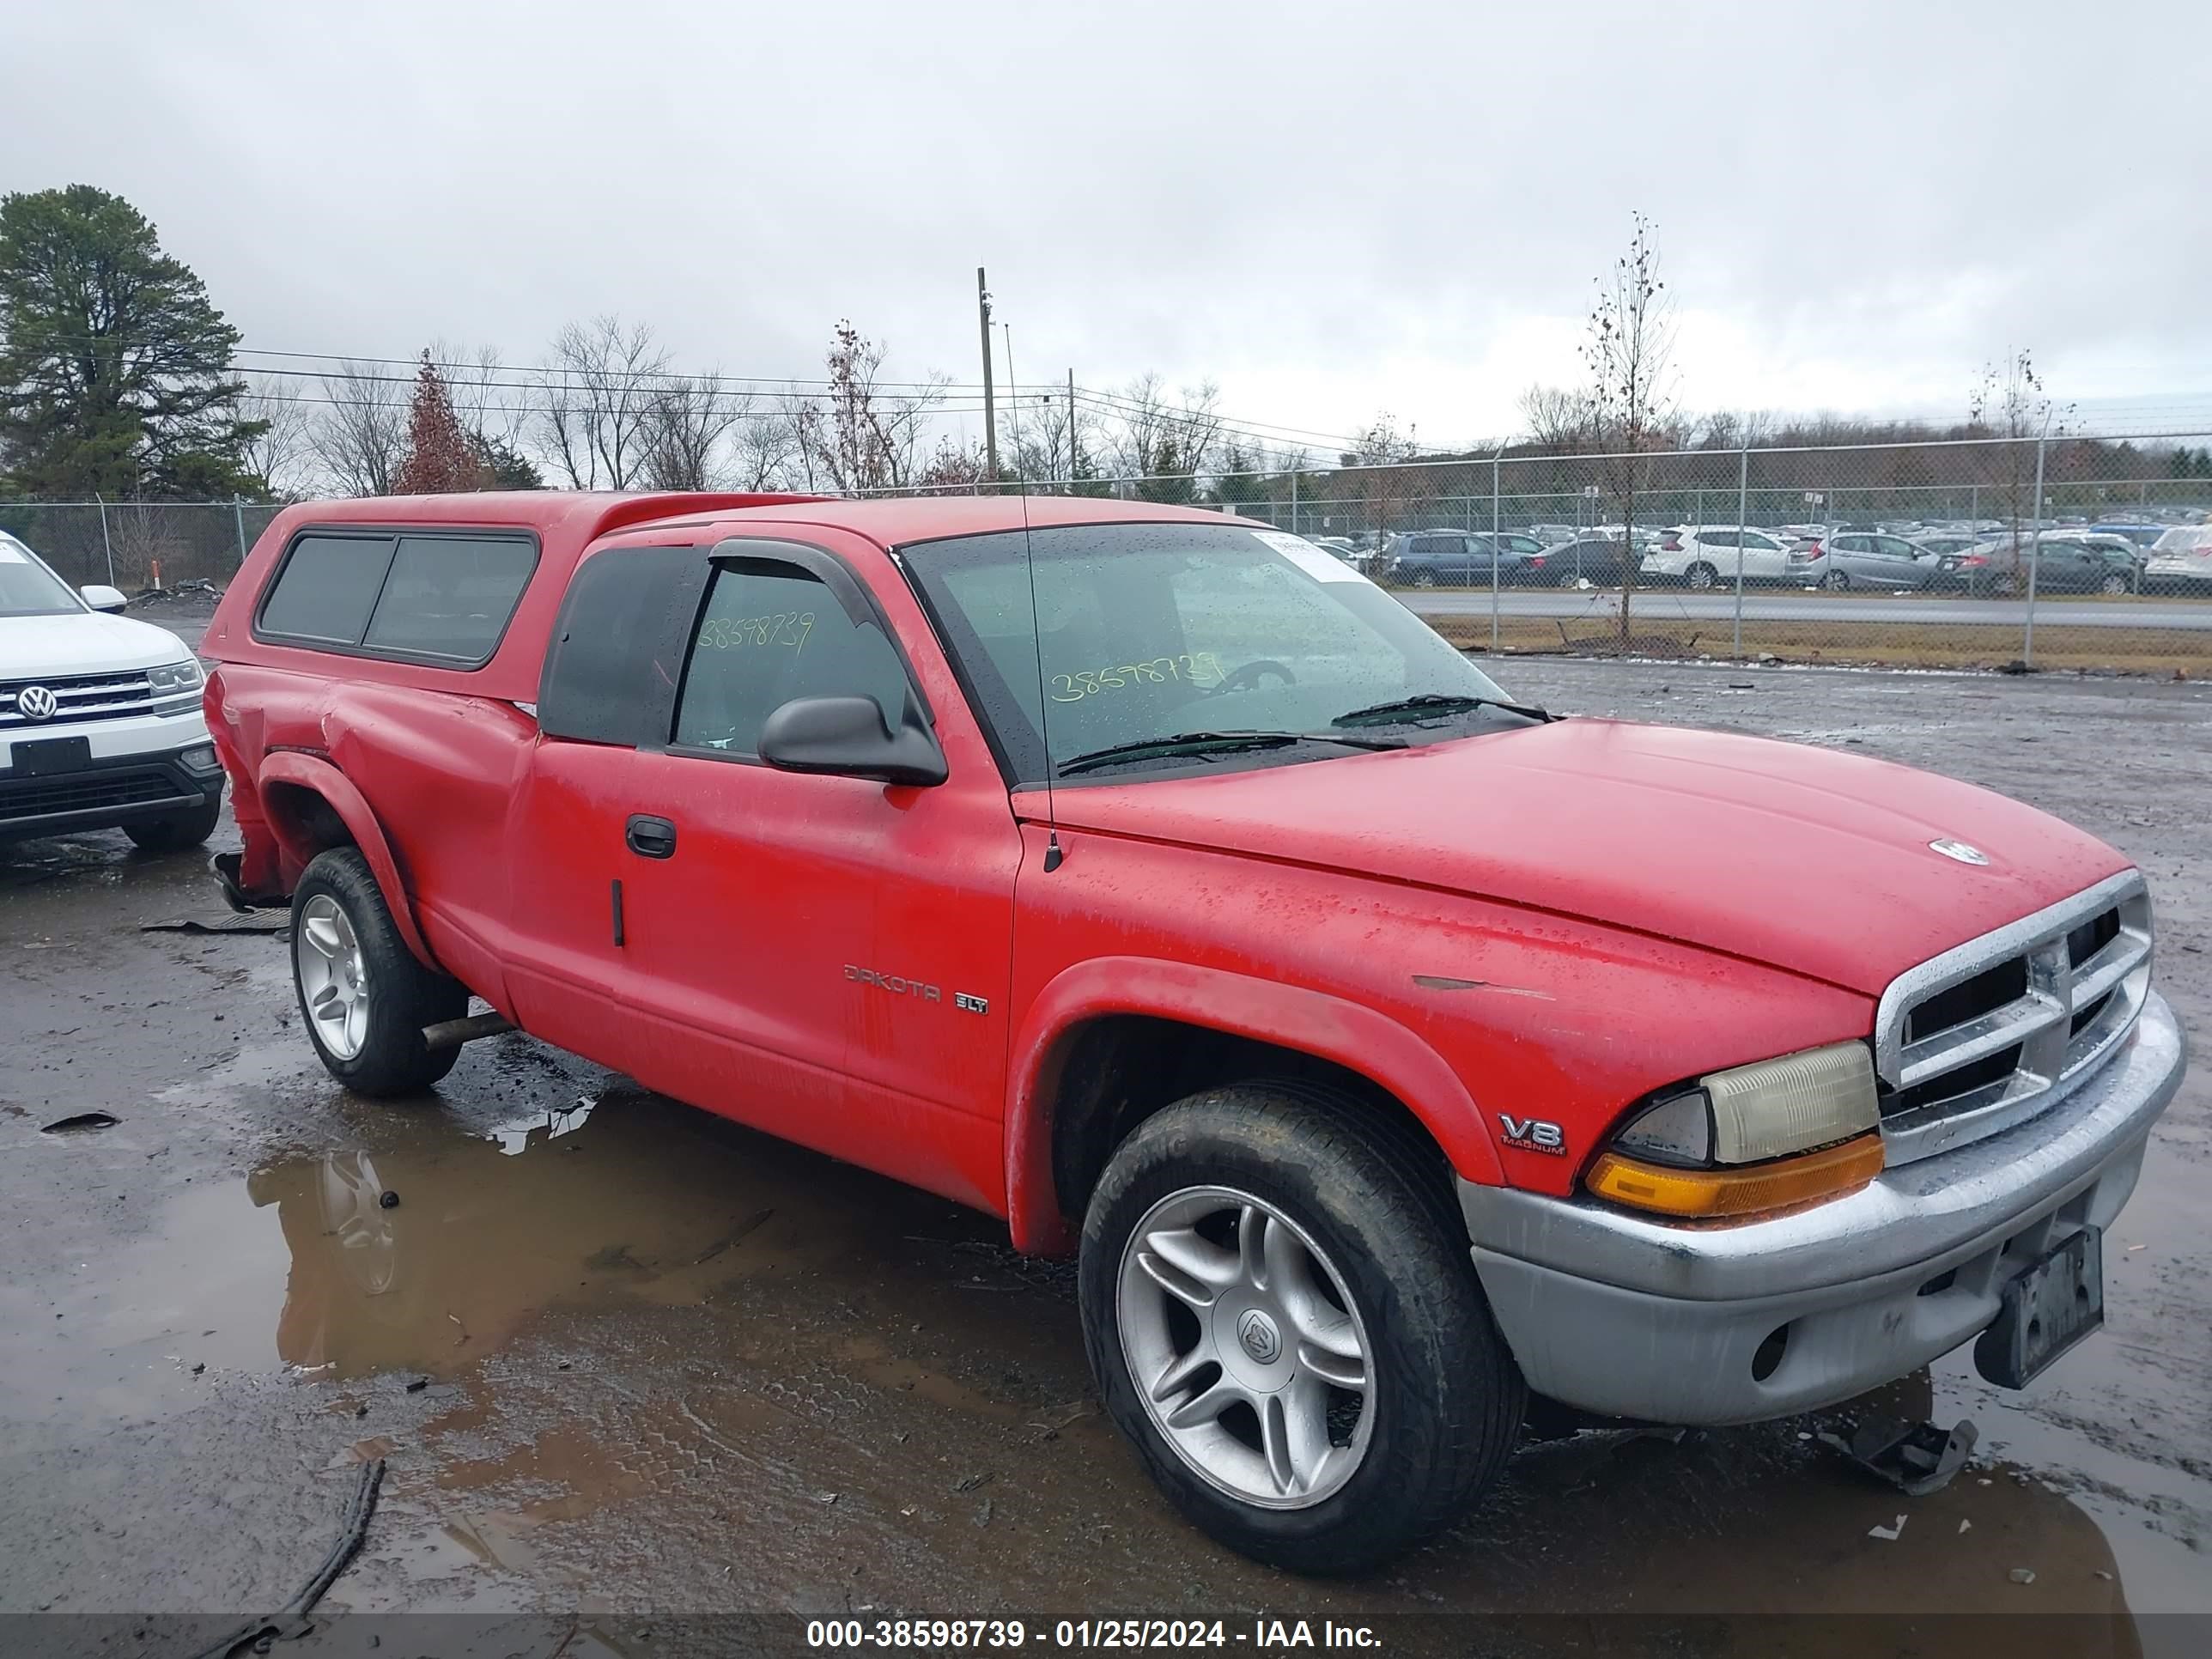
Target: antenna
(1053, 855)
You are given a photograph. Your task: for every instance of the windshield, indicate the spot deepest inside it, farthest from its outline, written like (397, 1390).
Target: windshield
(1147, 632)
(27, 588)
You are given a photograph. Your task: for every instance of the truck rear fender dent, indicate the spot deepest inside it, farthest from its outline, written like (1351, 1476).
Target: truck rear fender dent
(1368, 1046)
(288, 783)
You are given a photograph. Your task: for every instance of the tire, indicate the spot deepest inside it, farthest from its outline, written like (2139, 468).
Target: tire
(1837, 579)
(188, 827)
(1386, 1272)
(1702, 576)
(2114, 583)
(374, 997)
(1423, 577)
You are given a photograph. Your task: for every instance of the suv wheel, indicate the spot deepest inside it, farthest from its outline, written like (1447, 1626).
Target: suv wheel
(2113, 583)
(1423, 577)
(1282, 1316)
(363, 997)
(188, 827)
(1701, 576)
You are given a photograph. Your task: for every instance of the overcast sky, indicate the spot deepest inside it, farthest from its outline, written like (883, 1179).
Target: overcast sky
(1331, 210)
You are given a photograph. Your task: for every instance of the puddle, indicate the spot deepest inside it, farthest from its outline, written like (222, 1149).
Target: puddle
(430, 1249)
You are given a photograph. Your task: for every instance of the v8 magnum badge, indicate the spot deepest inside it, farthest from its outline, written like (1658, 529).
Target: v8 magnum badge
(1533, 1135)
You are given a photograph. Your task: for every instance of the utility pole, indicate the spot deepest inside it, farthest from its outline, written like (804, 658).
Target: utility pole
(990, 412)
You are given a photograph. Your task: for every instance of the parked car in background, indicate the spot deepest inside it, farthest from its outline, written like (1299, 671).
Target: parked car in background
(1602, 561)
(100, 725)
(1949, 547)
(1552, 534)
(1458, 558)
(2063, 562)
(1864, 558)
(1704, 555)
(2143, 535)
(2181, 561)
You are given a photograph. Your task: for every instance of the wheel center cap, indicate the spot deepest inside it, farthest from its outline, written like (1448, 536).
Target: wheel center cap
(1257, 1334)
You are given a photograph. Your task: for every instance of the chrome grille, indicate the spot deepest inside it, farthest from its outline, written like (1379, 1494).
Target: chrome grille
(2008, 1024)
(87, 697)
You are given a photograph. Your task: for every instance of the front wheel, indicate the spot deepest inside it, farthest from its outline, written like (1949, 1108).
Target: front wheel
(1282, 1316)
(363, 996)
(1423, 578)
(2114, 583)
(1703, 577)
(187, 828)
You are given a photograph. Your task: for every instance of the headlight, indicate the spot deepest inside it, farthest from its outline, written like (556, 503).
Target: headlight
(1760, 1137)
(171, 678)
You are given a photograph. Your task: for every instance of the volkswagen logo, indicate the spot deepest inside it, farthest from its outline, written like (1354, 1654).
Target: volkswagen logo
(36, 702)
(1958, 850)
(1260, 1337)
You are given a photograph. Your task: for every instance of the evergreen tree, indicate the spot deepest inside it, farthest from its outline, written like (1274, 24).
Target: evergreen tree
(114, 366)
(441, 458)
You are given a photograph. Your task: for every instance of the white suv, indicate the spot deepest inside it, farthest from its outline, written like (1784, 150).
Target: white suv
(101, 724)
(1703, 555)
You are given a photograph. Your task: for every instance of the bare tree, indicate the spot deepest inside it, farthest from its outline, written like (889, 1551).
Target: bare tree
(1386, 482)
(1558, 419)
(282, 456)
(1060, 444)
(360, 437)
(1629, 353)
(687, 427)
(594, 398)
(2009, 402)
(1165, 445)
(863, 434)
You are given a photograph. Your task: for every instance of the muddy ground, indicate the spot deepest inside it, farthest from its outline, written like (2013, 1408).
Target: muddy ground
(630, 1365)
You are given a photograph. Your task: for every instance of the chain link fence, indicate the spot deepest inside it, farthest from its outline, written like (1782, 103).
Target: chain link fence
(2059, 552)
(138, 545)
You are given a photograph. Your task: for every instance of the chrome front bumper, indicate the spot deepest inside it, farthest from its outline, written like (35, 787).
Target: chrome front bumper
(1629, 1317)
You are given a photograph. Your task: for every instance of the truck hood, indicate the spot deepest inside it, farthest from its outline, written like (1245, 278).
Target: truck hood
(1778, 853)
(83, 642)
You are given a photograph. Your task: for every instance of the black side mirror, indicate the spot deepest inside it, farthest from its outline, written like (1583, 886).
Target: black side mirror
(847, 736)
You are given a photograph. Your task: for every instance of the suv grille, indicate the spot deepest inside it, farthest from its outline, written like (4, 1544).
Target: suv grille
(82, 697)
(1995, 1031)
(85, 791)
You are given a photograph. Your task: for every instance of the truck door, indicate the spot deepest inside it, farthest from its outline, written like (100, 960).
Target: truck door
(824, 957)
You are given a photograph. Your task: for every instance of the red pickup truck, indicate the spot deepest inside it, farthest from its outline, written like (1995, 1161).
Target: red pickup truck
(1392, 1054)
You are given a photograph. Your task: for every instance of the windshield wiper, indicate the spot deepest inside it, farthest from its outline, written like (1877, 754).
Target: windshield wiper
(1211, 742)
(1430, 705)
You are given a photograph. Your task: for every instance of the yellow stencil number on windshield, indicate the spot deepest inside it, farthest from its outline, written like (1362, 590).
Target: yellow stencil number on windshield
(1201, 669)
(788, 629)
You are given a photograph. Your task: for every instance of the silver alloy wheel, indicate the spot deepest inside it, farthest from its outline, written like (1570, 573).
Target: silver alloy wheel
(1703, 576)
(1250, 1357)
(333, 978)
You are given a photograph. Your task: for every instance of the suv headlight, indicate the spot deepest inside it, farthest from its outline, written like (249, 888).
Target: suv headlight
(172, 677)
(1768, 1136)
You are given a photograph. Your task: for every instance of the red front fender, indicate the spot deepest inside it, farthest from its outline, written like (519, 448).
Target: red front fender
(323, 779)
(1329, 1028)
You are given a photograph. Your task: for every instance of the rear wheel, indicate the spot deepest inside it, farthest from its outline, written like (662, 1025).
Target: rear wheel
(1424, 577)
(188, 827)
(1282, 1316)
(1703, 576)
(2114, 583)
(1837, 579)
(363, 996)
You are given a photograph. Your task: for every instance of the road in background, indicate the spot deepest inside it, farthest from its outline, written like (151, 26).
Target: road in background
(1768, 604)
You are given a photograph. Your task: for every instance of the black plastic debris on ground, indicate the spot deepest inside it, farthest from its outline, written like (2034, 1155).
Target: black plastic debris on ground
(250, 921)
(83, 1123)
(1916, 1458)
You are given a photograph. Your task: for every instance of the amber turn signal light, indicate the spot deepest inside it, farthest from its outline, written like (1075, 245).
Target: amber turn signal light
(1716, 1194)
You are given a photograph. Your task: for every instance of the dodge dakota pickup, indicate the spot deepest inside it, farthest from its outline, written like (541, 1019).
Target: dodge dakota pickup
(1390, 1053)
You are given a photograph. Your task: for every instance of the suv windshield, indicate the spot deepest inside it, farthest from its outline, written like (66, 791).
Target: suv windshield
(1145, 634)
(27, 588)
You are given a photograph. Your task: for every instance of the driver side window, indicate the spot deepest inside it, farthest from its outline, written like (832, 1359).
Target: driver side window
(770, 633)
